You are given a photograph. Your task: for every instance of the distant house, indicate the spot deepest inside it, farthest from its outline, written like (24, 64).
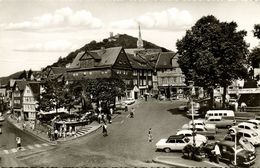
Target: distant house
(170, 77)
(31, 96)
(103, 63)
(142, 75)
(59, 73)
(17, 97)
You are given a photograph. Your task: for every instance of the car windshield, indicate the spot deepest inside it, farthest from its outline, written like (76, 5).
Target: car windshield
(254, 134)
(255, 127)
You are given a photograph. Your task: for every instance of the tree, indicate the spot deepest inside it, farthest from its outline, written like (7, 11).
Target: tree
(256, 31)
(30, 72)
(213, 53)
(254, 57)
(23, 75)
(53, 95)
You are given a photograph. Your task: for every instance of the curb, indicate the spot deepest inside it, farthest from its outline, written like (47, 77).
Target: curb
(28, 132)
(155, 160)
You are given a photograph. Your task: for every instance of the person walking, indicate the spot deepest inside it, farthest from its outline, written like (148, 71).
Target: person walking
(126, 108)
(132, 113)
(18, 143)
(150, 137)
(104, 127)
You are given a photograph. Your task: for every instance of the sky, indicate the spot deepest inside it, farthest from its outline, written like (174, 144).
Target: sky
(35, 33)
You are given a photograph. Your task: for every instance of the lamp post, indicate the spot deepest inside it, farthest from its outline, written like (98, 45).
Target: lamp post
(235, 153)
(191, 84)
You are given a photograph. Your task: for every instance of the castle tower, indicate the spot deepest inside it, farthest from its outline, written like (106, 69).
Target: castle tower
(140, 43)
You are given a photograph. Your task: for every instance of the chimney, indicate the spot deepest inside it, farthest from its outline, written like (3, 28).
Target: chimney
(111, 34)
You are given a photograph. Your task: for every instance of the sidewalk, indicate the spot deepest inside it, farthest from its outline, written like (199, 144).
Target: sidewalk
(84, 130)
(181, 162)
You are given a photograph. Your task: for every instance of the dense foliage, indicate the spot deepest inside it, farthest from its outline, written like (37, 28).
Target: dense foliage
(256, 30)
(213, 53)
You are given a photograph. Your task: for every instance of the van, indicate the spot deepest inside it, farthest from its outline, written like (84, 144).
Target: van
(225, 114)
(220, 122)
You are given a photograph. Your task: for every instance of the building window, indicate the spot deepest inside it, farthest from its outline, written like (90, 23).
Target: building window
(135, 72)
(144, 82)
(149, 73)
(90, 73)
(145, 73)
(149, 82)
(28, 91)
(174, 79)
(85, 73)
(135, 81)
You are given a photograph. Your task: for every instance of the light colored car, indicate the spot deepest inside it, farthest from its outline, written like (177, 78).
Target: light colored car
(200, 129)
(250, 135)
(2, 118)
(198, 137)
(129, 101)
(246, 126)
(242, 141)
(174, 142)
(220, 122)
(200, 122)
(254, 121)
(182, 108)
(196, 107)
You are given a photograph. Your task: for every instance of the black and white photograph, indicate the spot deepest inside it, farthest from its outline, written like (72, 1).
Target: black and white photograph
(130, 83)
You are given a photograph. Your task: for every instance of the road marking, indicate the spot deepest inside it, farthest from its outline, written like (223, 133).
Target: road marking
(6, 151)
(14, 150)
(30, 147)
(122, 122)
(37, 145)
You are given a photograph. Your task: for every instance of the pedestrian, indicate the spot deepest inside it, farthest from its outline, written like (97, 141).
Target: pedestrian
(243, 106)
(111, 111)
(18, 142)
(104, 127)
(99, 117)
(236, 106)
(150, 137)
(24, 125)
(145, 96)
(216, 152)
(126, 108)
(56, 133)
(109, 118)
(132, 113)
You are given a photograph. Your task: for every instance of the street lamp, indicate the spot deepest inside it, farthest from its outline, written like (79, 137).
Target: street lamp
(191, 84)
(235, 154)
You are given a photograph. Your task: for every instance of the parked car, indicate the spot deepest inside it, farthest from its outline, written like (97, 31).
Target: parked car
(201, 122)
(228, 150)
(254, 121)
(250, 135)
(245, 125)
(198, 137)
(195, 108)
(174, 142)
(220, 122)
(200, 129)
(183, 108)
(247, 145)
(129, 101)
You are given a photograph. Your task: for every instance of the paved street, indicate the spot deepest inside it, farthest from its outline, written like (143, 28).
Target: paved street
(127, 143)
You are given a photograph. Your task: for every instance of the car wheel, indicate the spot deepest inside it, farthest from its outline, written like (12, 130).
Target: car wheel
(167, 150)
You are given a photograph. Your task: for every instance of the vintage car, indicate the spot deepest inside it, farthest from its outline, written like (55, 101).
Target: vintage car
(220, 121)
(247, 145)
(254, 121)
(227, 153)
(188, 133)
(175, 142)
(246, 126)
(201, 122)
(200, 129)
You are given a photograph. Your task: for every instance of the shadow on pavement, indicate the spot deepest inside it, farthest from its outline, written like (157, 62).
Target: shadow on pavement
(175, 111)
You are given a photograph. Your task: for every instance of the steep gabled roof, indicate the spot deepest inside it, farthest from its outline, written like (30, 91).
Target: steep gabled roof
(137, 62)
(75, 62)
(21, 85)
(165, 60)
(108, 56)
(35, 87)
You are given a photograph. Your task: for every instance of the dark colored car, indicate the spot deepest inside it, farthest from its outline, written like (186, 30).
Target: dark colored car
(227, 152)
